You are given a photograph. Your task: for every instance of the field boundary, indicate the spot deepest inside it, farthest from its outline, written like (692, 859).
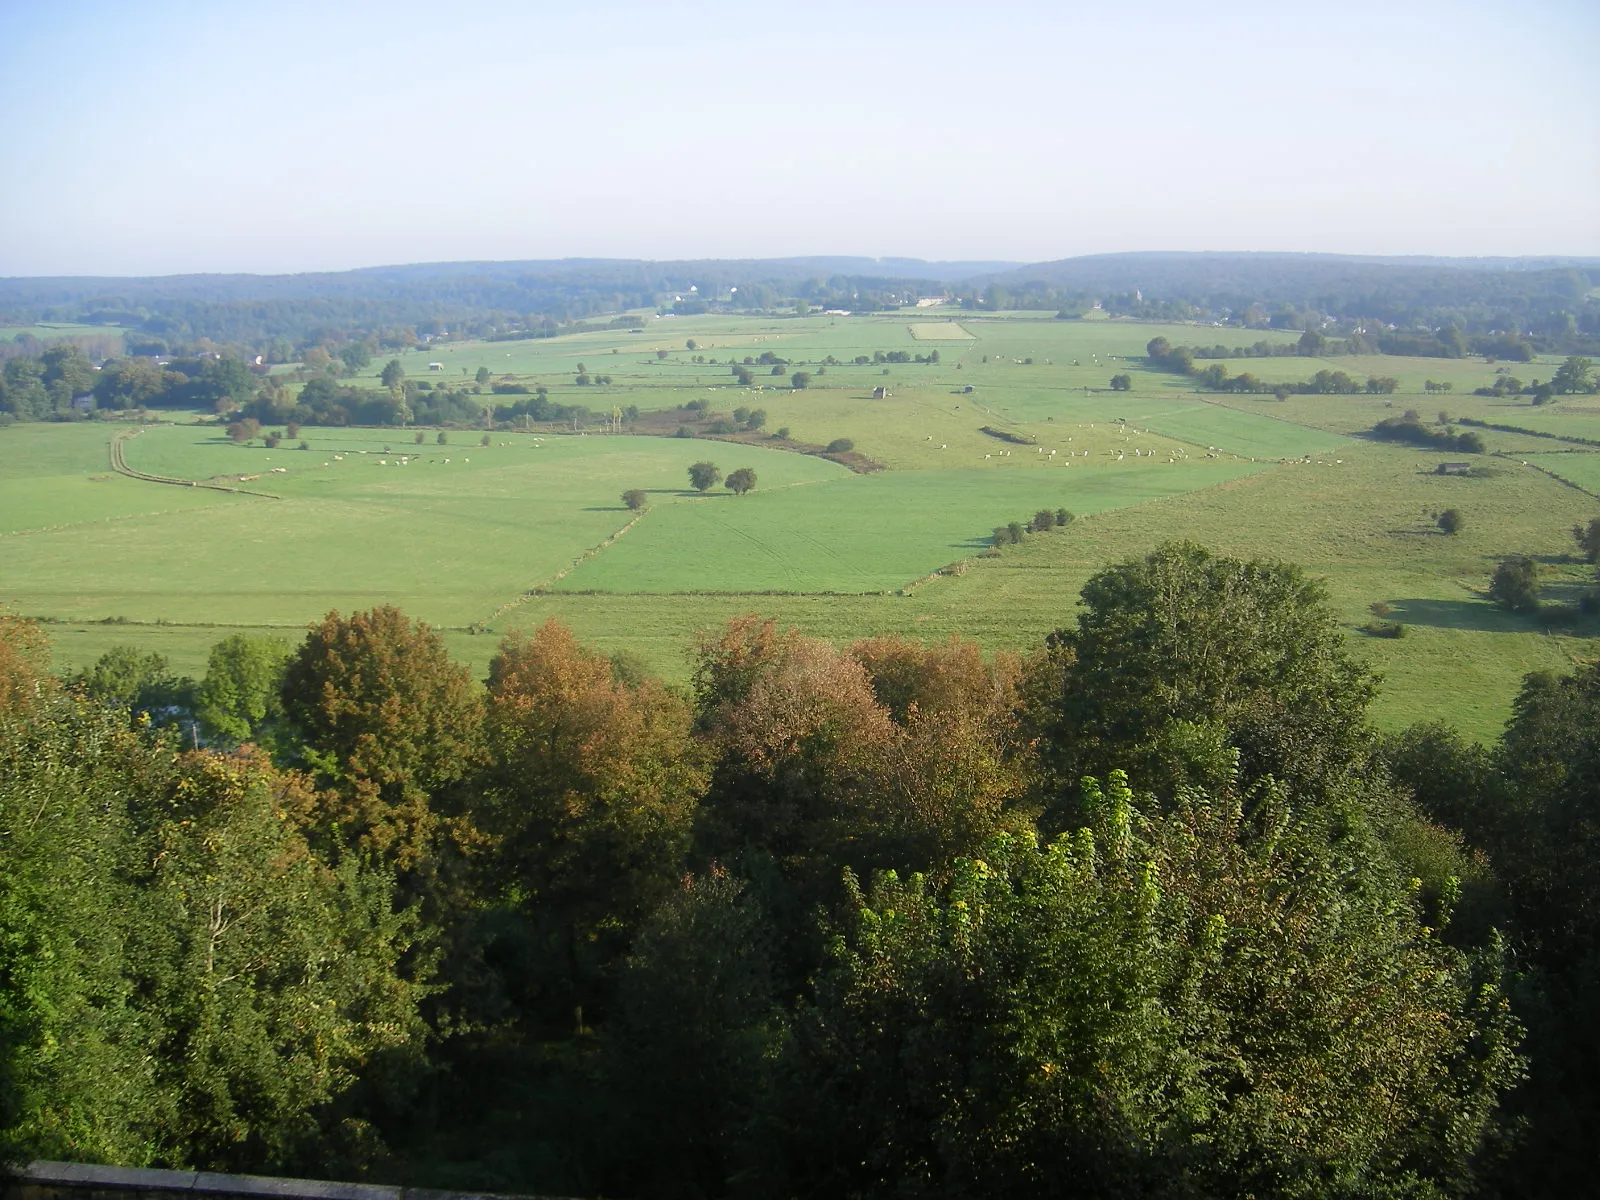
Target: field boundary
(119, 464)
(540, 589)
(1577, 487)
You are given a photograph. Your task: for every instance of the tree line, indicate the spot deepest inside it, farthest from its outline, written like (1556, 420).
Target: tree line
(1181, 360)
(1150, 910)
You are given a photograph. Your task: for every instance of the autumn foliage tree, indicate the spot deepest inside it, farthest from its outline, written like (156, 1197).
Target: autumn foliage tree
(594, 786)
(390, 722)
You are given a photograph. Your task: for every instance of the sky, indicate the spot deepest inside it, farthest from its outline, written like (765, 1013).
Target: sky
(172, 136)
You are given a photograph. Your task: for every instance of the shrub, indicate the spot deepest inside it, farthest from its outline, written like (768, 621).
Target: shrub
(1515, 585)
(840, 446)
(1450, 521)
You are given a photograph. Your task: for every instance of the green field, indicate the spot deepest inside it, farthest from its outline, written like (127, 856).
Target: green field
(477, 539)
(52, 330)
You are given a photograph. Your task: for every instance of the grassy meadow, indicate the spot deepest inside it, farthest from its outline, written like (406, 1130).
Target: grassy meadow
(476, 539)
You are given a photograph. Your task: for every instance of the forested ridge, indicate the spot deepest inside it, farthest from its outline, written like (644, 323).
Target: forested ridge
(1403, 306)
(1149, 911)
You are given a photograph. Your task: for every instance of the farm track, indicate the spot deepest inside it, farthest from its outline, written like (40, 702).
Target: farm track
(119, 464)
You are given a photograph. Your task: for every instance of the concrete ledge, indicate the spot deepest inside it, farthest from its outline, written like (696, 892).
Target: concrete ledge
(91, 1181)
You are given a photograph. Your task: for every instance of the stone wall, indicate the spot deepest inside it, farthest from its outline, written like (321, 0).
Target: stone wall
(85, 1181)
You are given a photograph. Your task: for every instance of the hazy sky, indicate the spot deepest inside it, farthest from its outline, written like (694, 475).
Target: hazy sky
(168, 136)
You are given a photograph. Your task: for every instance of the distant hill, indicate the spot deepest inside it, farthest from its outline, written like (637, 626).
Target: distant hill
(1300, 279)
(1553, 296)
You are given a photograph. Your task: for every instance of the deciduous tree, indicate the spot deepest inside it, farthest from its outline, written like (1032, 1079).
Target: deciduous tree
(703, 476)
(389, 720)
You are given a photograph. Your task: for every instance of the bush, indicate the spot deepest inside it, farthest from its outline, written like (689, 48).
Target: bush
(1063, 517)
(1450, 521)
(837, 446)
(635, 498)
(1515, 585)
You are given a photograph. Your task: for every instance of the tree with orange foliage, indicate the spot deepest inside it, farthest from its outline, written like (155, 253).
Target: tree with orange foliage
(24, 664)
(594, 787)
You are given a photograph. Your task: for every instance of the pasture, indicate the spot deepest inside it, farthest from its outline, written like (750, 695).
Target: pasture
(477, 539)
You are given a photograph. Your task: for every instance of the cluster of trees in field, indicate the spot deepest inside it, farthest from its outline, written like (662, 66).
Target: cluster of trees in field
(1408, 427)
(45, 387)
(1148, 911)
(1012, 534)
(1182, 360)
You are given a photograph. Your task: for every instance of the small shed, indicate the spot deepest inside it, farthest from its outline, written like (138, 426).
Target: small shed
(435, 366)
(1453, 468)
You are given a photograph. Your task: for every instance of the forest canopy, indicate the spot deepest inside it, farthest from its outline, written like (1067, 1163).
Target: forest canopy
(1149, 911)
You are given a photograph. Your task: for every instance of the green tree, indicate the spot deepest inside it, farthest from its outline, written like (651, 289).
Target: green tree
(389, 720)
(703, 476)
(1121, 383)
(276, 979)
(741, 481)
(689, 1046)
(1588, 539)
(1574, 375)
(239, 699)
(840, 446)
(1042, 520)
(1515, 584)
(1184, 664)
(635, 499)
(393, 374)
(755, 419)
(481, 376)
(76, 1059)
(1451, 521)
(800, 379)
(1156, 1004)
(135, 682)
(357, 356)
